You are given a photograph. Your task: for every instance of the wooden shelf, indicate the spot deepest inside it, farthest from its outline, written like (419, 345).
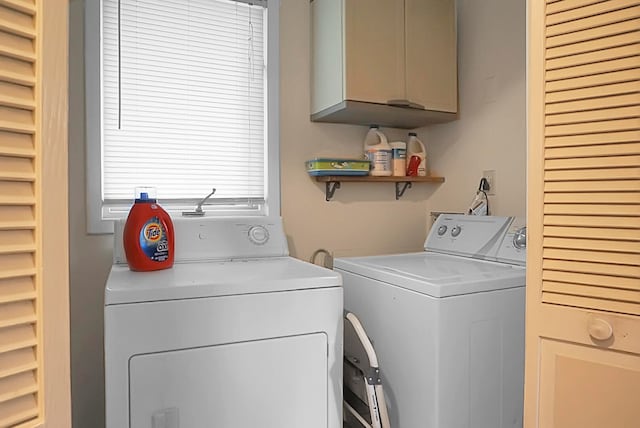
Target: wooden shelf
(332, 182)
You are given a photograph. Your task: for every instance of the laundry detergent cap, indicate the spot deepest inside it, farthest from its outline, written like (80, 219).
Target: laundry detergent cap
(145, 194)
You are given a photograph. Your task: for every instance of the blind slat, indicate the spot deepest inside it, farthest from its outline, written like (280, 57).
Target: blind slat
(594, 45)
(592, 233)
(591, 303)
(612, 65)
(589, 186)
(594, 138)
(614, 125)
(591, 279)
(608, 245)
(593, 92)
(593, 115)
(18, 410)
(592, 57)
(593, 209)
(587, 12)
(559, 262)
(592, 162)
(590, 22)
(631, 99)
(592, 221)
(592, 150)
(620, 260)
(593, 174)
(632, 296)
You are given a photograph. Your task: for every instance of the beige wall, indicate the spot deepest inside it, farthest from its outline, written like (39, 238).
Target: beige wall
(362, 218)
(491, 131)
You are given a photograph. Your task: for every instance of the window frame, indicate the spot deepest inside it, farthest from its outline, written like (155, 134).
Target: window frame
(96, 224)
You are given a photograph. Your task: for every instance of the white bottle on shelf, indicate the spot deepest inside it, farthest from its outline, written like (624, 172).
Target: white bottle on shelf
(378, 151)
(416, 156)
(398, 158)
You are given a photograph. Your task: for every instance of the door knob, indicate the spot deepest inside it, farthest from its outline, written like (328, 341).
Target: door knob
(599, 329)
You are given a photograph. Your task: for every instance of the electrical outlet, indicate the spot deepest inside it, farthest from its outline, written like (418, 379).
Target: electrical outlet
(490, 176)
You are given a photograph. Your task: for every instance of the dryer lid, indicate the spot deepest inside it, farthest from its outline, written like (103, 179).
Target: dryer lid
(216, 278)
(434, 274)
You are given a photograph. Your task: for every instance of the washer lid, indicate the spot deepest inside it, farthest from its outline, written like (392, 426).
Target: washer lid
(437, 275)
(213, 279)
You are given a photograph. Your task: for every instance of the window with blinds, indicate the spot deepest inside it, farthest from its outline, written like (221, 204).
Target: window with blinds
(184, 103)
(591, 245)
(19, 278)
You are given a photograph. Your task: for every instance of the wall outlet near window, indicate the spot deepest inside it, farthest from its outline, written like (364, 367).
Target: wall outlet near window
(490, 176)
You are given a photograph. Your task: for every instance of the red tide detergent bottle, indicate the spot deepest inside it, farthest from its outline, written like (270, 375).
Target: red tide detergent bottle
(148, 234)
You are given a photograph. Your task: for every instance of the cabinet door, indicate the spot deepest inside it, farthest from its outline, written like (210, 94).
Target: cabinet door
(34, 283)
(587, 387)
(431, 63)
(584, 381)
(374, 50)
(583, 278)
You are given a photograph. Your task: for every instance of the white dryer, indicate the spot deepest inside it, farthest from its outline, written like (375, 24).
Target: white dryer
(236, 335)
(447, 324)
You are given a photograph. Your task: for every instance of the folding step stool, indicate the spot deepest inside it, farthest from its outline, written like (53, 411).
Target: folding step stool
(364, 403)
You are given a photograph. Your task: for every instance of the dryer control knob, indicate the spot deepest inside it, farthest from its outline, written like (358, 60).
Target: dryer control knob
(259, 235)
(520, 238)
(442, 230)
(456, 231)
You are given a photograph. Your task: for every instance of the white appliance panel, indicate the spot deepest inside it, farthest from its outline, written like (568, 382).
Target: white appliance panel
(166, 326)
(219, 238)
(447, 324)
(273, 383)
(445, 362)
(216, 278)
(403, 328)
(467, 235)
(513, 247)
(434, 274)
(481, 357)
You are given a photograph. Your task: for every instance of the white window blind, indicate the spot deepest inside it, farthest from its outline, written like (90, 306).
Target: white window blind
(184, 84)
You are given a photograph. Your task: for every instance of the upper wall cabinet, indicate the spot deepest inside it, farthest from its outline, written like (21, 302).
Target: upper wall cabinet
(385, 62)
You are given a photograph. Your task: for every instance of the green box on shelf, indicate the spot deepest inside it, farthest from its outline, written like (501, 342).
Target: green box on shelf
(333, 166)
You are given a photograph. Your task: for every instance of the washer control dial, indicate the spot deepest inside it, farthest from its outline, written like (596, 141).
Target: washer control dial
(258, 235)
(442, 230)
(456, 231)
(520, 238)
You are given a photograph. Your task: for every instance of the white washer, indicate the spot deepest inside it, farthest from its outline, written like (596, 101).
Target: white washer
(236, 335)
(447, 324)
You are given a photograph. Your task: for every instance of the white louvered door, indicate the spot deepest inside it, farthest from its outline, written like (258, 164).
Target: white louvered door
(33, 137)
(583, 266)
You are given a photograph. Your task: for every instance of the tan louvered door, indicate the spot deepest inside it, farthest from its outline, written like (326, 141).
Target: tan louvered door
(32, 127)
(583, 276)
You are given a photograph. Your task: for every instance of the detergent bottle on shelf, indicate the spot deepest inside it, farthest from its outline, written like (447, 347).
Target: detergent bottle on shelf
(416, 157)
(378, 151)
(148, 236)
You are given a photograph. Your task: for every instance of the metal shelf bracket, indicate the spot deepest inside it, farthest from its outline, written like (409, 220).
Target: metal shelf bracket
(330, 188)
(400, 191)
